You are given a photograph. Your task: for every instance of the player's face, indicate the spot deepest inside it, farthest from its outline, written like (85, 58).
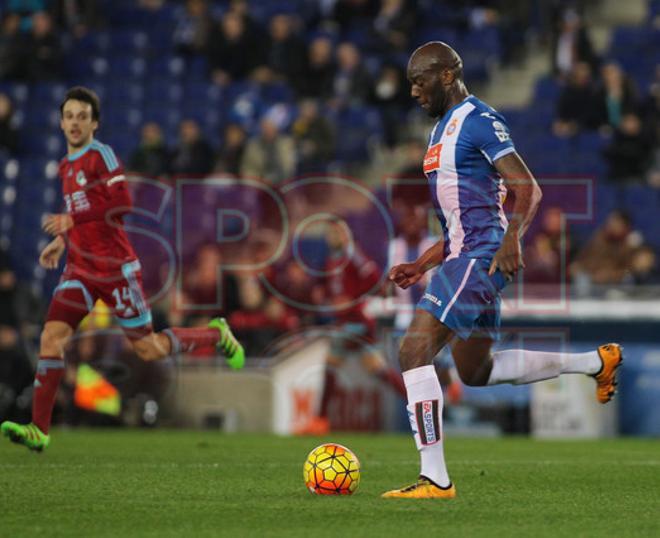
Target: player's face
(77, 123)
(337, 236)
(427, 88)
(429, 84)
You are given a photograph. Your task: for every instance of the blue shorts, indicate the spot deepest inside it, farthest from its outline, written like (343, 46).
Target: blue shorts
(465, 298)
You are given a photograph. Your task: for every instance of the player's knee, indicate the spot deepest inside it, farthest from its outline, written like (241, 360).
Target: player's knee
(472, 377)
(410, 356)
(146, 350)
(53, 340)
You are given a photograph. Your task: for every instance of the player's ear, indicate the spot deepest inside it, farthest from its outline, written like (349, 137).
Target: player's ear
(95, 125)
(447, 76)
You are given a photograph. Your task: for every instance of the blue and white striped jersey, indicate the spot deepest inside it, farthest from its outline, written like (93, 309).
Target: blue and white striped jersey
(466, 189)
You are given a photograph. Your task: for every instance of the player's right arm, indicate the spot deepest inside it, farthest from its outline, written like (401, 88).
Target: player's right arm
(52, 252)
(405, 275)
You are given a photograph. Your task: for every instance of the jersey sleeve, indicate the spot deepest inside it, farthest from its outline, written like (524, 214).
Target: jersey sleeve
(490, 134)
(107, 164)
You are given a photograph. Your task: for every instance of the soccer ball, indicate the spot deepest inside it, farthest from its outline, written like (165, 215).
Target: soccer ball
(331, 469)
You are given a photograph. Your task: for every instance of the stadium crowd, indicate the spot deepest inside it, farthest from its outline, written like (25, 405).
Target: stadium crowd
(278, 89)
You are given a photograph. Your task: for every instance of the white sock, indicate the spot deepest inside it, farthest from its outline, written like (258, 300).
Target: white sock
(520, 366)
(425, 414)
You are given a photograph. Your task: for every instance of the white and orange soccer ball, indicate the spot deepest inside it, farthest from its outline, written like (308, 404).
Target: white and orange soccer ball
(331, 469)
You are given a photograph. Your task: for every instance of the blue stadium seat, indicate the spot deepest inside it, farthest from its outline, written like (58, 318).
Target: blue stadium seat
(358, 126)
(547, 89)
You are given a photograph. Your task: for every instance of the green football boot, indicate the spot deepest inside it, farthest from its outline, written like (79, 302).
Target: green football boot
(26, 434)
(228, 345)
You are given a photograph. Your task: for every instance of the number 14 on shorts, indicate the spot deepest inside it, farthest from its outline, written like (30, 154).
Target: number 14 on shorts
(123, 300)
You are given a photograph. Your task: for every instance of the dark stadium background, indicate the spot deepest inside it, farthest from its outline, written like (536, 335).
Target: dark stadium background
(587, 124)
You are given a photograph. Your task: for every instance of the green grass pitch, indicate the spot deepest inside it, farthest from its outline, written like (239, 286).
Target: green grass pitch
(120, 483)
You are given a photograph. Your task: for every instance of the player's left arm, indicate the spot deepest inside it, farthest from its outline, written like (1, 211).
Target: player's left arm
(527, 193)
(490, 134)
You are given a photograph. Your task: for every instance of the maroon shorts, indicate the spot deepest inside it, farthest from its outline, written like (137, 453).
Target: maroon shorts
(75, 295)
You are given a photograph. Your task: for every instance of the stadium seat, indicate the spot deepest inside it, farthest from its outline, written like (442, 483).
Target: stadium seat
(359, 126)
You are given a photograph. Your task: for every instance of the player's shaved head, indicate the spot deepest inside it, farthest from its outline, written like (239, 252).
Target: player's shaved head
(436, 55)
(435, 71)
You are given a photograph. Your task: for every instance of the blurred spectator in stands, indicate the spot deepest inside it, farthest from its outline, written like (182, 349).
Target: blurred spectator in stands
(286, 51)
(11, 47)
(315, 138)
(16, 375)
(630, 154)
(270, 155)
(393, 25)
(320, 69)
(8, 132)
(9, 293)
(352, 82)
(193, 28)
(644, 266)
(650, 109)
(152, 157)
(513, 19)
(242, 9)
(543, 256)
(151, 5)
(209, 289)
(19, 308)
(354, 14)
(618, 94)
(43, 50)
(391, 95)
(571, 44)
(261, 317)
(76, 16)
(579, 105)
(230, 155)
(412, 153)
(233, 53)
(607, 257)
(194, 155)
(410, 243)
(650, 112)
(296, 284)
(25, 9)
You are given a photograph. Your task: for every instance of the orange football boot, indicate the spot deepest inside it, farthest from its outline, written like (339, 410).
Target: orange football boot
(612, 356)
(422, 489)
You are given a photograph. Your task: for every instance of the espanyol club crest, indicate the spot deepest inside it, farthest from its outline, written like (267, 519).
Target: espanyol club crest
(451, 127)
(81, 179)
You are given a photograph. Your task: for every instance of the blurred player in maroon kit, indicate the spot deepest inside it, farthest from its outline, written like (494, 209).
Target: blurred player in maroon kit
(101, 264)
(350, 277)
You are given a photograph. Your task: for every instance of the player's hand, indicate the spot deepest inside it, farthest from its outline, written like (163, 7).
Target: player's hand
(508, 258)
(405, 275)
(51, 254)
(57, 224)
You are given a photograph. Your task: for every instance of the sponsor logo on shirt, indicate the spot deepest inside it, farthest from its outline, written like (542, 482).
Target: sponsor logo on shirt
(432, 158)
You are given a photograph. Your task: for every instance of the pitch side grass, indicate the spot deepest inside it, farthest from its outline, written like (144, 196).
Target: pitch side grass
(120, 483)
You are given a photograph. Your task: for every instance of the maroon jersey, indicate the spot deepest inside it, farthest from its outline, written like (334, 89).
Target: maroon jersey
(348, 282)
(96, 197)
